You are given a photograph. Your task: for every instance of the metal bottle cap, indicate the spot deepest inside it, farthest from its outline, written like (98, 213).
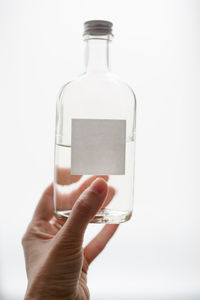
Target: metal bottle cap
(97, 27)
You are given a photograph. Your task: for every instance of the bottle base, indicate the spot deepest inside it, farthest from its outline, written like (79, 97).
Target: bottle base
(104, 216)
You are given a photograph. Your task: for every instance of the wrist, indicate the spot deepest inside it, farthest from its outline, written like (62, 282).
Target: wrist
(44, 294)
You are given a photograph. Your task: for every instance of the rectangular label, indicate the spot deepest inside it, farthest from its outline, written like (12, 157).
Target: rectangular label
(98, 146)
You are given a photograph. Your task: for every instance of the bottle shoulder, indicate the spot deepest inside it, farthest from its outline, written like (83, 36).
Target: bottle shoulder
(122, 84)
(94, 84)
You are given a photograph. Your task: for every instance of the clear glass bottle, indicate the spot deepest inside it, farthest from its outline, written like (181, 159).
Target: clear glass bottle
(95, 132)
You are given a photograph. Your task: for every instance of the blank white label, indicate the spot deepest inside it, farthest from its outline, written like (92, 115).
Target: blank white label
(98, 147)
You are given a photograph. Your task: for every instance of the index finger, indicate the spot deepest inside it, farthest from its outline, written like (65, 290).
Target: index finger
(44, 209)
(64, 177)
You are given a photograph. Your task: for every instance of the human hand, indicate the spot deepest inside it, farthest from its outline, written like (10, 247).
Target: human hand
(56, 263)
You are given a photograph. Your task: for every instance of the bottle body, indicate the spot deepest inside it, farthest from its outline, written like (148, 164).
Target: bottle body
(98, 106)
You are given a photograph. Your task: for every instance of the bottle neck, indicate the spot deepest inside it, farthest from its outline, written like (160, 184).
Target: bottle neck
(97, 54)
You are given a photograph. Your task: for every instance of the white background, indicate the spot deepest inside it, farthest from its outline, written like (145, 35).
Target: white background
(156, 50)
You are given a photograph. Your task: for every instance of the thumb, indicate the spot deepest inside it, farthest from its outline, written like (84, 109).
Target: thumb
(84, 209)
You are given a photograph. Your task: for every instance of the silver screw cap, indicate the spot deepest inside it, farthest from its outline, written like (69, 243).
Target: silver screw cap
(97, 27)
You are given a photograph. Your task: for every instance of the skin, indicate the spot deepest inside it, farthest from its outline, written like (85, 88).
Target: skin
(56, 263)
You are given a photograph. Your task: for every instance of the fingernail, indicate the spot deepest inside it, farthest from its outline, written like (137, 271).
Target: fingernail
(105, 177)
(98, 185)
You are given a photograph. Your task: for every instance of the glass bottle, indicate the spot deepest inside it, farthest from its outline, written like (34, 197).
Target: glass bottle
(95, 132)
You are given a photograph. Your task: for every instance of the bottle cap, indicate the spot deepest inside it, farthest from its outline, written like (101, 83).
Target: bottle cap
(97, 27)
